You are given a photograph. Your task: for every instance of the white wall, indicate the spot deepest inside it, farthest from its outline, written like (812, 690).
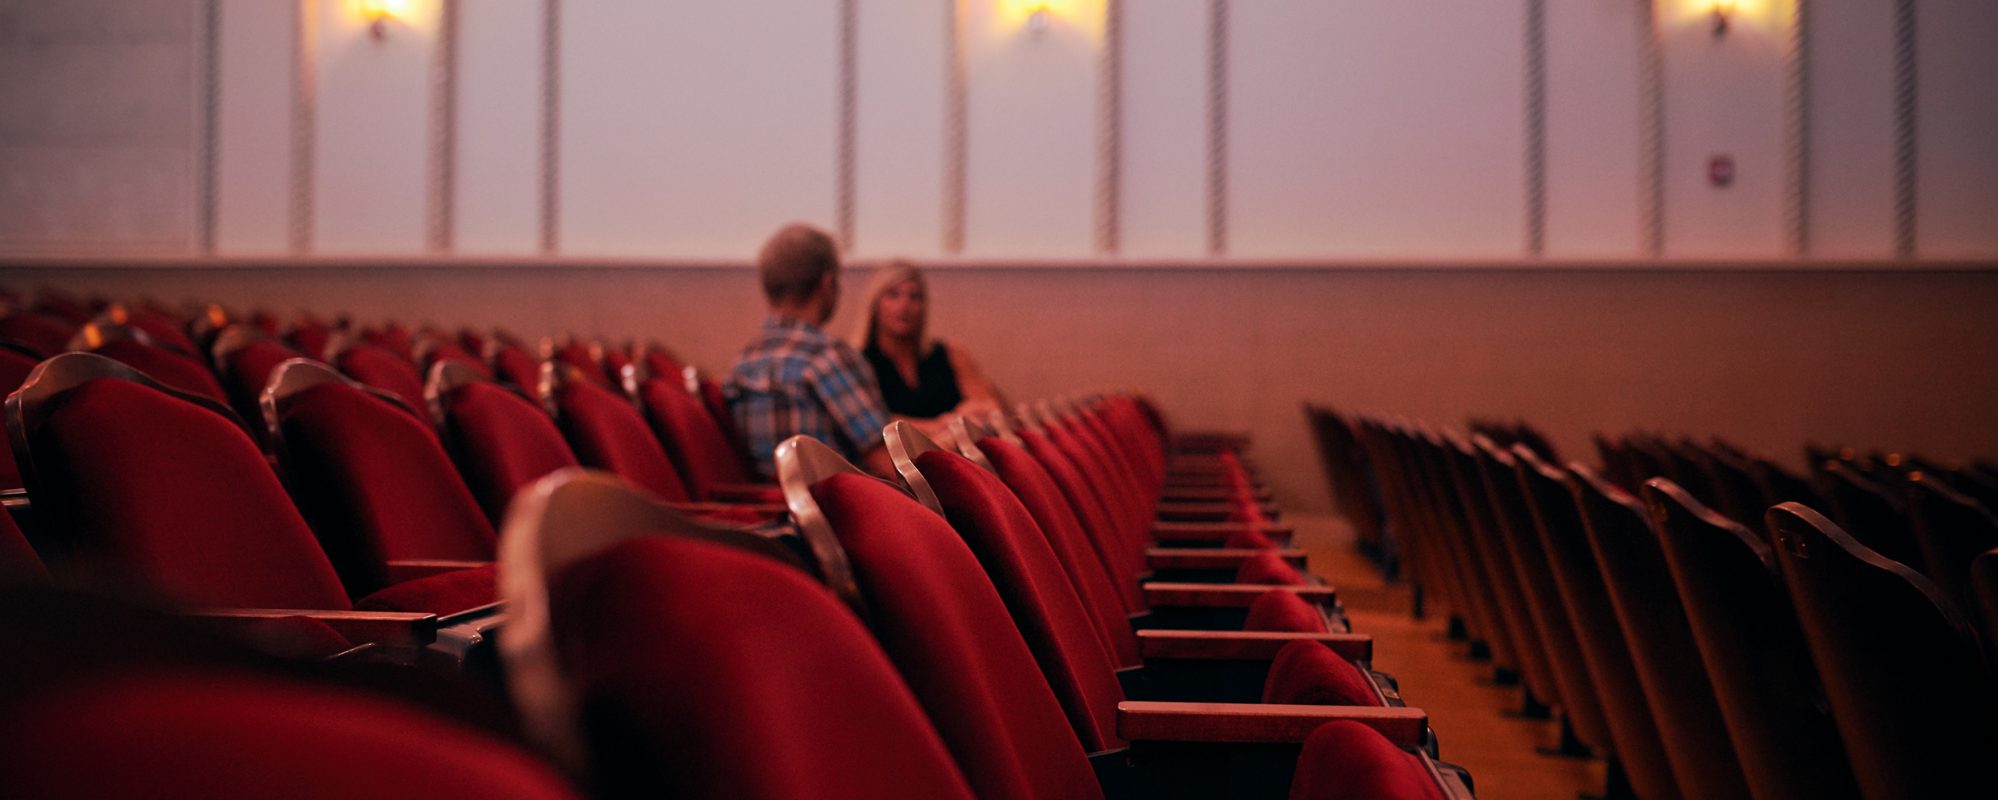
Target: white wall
(1354, 129)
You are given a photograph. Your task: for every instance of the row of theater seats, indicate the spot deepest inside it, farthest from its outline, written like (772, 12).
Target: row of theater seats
(1691, 612)
(1063, 602)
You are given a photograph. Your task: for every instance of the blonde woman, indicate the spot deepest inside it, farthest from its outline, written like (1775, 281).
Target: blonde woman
(921, 378)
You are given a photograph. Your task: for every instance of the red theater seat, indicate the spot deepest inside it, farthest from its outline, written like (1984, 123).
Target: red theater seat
(500, 440)
(700, 448)
(383, 369)
(44, 334)
(137, 349)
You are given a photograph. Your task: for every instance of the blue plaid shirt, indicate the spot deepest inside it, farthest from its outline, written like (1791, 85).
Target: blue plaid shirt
(794, 379)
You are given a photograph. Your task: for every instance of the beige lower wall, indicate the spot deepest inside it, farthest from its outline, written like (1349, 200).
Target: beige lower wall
(1899, 360)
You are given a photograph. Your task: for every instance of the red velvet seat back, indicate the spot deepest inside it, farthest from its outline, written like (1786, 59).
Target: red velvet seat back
(1123, 416)
(377, 485)
(708, 672)
(164, 329)
(1433, 478)
(18, 560)
(166, 366)
(501, 442)
(697, 446)
(513, 365)
(157, 489)
(1753, 649)
(393, 338)
(1037, 591)
(384, 370)
(1901, 669)
(311, 338)
(1131, 513)
(1603, 648)
(190, 735)
(1126, 458)
(710, 394)
(947, 630)
(1108, 541)
(46, 334)
(576, 353)
(443, 350)
(608, 432)
(248, 368)
(1033, 487)
(1345, 760)
(1951, 530)
(1661, 642)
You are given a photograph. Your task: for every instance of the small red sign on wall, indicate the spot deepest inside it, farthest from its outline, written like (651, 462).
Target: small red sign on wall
(1720, 171)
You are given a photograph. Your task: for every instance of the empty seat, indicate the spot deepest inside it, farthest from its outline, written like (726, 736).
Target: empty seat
(383, 369)
(1753, 650)
(44, 334)
(699, 447)
(1901, 668)
(137, 349)
(245, 359)
(1951, 530)
(1872, 513)
(500, 440)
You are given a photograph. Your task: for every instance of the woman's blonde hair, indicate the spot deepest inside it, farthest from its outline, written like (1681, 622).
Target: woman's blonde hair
(888, 276)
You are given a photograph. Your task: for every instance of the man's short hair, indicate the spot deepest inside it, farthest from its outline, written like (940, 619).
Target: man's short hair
(793, 261)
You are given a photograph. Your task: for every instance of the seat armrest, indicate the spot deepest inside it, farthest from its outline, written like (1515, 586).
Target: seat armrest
(1261, 723)
(387, 628)
(1215, 530)
(1187, 558)
(1245, 645)
(1228, 595)
(400, 571)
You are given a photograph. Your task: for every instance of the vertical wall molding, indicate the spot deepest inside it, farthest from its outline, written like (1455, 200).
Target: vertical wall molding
(1906, 95)
(206, 153)
(551, 123)
(1217, 127)
(1651, 132)
(955, 124)
(1110, 128)
(1536, 128)
(845, 144)
(441, 184)
(304, 120)
(1797, 131)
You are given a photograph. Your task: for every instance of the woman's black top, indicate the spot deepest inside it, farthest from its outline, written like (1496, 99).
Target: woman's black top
(935, 391)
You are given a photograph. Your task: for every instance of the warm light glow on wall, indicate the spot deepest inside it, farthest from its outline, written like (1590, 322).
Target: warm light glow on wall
(1040, 16)
(378, 15)
(1734, 13)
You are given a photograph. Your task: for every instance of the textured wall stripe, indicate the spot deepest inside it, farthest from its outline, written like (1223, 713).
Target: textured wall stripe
(955, 146)
(1651, 132)
(1906, 95)
(304, 120)
(1797, 131)
(207, 154)
(845, 144)
(1536, 127)
(1217, 127)
(551, 119)
(441, 184)
(1110, 128)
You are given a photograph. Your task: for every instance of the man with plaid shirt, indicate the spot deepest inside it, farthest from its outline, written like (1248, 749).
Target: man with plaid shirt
(794, 378)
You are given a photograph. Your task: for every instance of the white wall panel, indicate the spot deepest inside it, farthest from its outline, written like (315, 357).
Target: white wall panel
(1376, 129)
(1957, 129)
(372, 141)
(1724, 96)
(1163, 197)
(1851, 194)
(899, 127)
(1030, 173)
(253, 126)
(694, 129)
(498, 175)
(1592, 130)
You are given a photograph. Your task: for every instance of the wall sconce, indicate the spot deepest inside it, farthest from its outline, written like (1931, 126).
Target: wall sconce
(1723, 16)
(379, 13)
(1037, 19)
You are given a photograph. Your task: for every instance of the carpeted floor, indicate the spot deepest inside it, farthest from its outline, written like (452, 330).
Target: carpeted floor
(1475, 720)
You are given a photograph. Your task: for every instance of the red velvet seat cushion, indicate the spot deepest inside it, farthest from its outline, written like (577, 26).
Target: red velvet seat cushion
(1345, 760)
(177, 496)
(1309, 673)
(380, 485)
(714, 673)
(1278, 610)
(1269, 567)
(503, 442)
(167, 367)
(693, 440)
(608, 432)
(384, 370)
(441, 594)
(1044, 604)
(1249, 538)
(1037, 491)
(188, 736)
(515, 366)
(164, 329)
(944, 625)
(46, 334)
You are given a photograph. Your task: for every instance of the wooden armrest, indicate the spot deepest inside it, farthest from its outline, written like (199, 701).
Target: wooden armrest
(395, 629)
(1261, 723)
(412, 569)
(1213, 557)
(1245, 645)
(1228, 595)
(1218, 531)
(15, 498)
(743, 492)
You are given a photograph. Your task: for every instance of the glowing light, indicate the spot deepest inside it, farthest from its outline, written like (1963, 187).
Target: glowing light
(1040, 16)
(1724, 15)
(377, 14)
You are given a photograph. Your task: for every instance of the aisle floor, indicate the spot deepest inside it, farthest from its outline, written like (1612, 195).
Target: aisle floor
(1473, 716)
